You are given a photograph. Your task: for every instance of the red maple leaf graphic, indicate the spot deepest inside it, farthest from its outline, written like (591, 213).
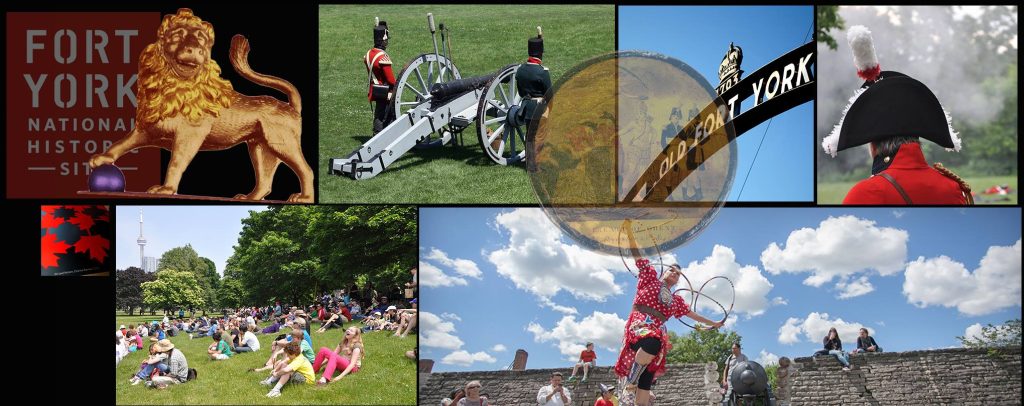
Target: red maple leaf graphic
(97, 246)
(49, 221)
(83, 221)
(52, 247)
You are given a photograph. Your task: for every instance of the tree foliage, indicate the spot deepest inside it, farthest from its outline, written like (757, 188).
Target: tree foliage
(173, 289)
(828, 18)
(128, 289)
(702, 346)
(991, 336)
(295, 252)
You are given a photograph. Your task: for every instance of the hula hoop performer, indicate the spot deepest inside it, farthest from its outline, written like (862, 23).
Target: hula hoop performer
(645, 341)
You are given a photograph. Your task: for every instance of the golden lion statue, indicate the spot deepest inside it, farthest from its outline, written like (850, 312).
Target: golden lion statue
(185, 106)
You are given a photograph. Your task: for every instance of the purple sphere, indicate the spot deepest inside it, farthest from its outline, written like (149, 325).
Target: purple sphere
(106, 178)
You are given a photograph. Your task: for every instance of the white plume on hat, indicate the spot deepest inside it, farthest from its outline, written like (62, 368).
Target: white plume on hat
(864, 57)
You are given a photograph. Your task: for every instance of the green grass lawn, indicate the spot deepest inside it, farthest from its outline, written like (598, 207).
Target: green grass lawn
(484, 39)
(834, 192)
(387, 376)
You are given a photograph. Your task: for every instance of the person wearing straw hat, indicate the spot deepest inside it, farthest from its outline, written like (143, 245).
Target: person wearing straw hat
(177, 366)
(892, 112)
(646, 340)
(605, 396)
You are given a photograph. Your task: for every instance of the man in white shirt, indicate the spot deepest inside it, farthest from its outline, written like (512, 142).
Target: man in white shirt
(554, 394)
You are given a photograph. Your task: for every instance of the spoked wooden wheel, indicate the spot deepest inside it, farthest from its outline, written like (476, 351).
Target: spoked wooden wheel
(502, 141)
(413, 87)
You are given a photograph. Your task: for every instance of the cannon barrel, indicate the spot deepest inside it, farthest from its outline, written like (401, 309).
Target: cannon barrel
(442, 92)
(748, 378)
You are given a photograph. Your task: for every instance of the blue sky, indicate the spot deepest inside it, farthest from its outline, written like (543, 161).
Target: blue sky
(494, 280)
(700, 36)
(212, 231)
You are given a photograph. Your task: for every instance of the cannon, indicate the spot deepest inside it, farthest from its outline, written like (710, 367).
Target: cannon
(434, 104)
(749, 383)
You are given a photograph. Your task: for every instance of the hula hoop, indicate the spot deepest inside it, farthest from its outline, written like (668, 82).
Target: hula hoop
(696, 295)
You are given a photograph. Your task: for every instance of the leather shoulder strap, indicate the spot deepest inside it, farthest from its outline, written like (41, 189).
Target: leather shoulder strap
(896, 185)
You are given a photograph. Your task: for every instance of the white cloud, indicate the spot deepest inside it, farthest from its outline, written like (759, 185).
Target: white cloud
(854, 288)
(461, 266)
(464, 358)
(499, 348)
(438, 333)
(766, 358)
(815, 327)
(432, 276)
(779, 301)
(570, 336)
(751, 286)
(730, 322)
(973, 331)
(537, 261)
(546, 302)
(837, 249)
(898, 213)
(451, 316)
(942, 281)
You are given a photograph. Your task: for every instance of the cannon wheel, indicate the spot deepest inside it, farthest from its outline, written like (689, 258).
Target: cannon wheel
(497, 138)
(413, 87)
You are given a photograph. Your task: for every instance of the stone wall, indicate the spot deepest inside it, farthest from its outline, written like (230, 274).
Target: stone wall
(951, 377)
(681, 385)
(948, 377)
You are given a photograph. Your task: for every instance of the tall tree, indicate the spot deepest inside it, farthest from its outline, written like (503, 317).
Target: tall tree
(128, 291)
(173, 289)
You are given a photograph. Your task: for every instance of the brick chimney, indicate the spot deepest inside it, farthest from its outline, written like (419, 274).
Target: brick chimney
(519, 363)
(426, 365)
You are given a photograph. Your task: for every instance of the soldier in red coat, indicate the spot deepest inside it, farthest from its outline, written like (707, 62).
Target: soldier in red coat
(891, 112)
(381, 78)
(645, 341)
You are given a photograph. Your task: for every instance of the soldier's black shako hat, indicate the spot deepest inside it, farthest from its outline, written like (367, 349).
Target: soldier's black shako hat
(535, 45)
(380, 32)
(888, 104)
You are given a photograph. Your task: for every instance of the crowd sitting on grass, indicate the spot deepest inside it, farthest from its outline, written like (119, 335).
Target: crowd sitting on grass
(291, 357)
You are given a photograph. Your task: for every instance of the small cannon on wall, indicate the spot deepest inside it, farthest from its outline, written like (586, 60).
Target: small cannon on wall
(749, 383)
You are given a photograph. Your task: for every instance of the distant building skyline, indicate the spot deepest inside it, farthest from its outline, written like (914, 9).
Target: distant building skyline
(150, 264)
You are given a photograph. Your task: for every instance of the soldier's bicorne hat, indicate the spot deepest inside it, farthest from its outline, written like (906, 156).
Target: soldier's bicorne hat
(380, 32)
(888, 104)
(535, 45)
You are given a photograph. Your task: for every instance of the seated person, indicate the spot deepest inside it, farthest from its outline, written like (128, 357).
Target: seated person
(219, 350)
(154, 362)
(248, 341)
(275, 327)
(587, 358)
(334, 320)
(866, 343)
(293, 369)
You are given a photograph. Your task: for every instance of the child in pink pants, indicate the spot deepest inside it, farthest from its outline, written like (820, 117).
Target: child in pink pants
(334, 362)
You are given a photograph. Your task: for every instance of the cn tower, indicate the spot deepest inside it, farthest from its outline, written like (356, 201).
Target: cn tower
(142, 244)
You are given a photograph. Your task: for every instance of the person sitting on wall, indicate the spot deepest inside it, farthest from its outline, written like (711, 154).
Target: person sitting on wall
(586, 360)
(866, 343)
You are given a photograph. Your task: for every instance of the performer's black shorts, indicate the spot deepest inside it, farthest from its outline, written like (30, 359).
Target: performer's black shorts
(651, 345)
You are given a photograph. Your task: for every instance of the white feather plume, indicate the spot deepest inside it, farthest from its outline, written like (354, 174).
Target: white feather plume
(957, 142)
(539, 32)
(864, 57)
(376, 21)
(831, 143)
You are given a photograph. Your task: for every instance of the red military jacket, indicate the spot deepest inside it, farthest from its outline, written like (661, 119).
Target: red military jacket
(922, 183)
(378, 65)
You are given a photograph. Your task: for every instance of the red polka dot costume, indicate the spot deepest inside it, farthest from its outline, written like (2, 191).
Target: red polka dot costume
(641, 325)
